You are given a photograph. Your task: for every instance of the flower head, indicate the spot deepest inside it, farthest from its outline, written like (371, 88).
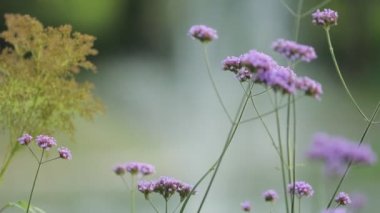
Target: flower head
(119, 169)
(135, 168)
(270, 195)
(256, 61)
(301, 189)
(146, 169)
(203, 33)
(146, 187)
(65, 153)
(45, 142)
(310, 87)
(342, 199)
(279, 78)
(246, 206)
(25, 139)
(231, 63)
(294, 51)
(336, 152)
(325, 18)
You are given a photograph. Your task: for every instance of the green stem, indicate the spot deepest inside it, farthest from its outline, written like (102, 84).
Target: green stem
(294, 151)
(35, 180)
(288, 152)
(315, 8)
(207, 61)
(133, 196)
(228, 142)
(288, 8)
(153, 206)
(299, 205)
(327, 30)
(298, 19)
(281, 156)
(166, 205)
(351, 161)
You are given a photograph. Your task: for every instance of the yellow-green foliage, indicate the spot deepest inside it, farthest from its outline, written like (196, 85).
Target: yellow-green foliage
(38, 90)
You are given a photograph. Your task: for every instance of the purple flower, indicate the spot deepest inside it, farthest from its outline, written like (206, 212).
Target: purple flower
(119, 169)
(232, 63)
(310, 87)
(45, 142)
(65, 153)
(146, 187)
(256, 61)
(244, 74)
(270, 195)
(337, 152)
(203, 33)
(342, 199)
(184, 190)
(325, 18)
(246, 206)
(300, 189)
(279, 78)
(132, 167)
(25, 139)
(146, 169)
(294, 51)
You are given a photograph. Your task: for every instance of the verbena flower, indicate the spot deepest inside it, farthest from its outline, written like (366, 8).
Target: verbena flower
(119, 169)
(45, 142)
(135, 168)
(310, 87)
(256, 61)
(203, 33)
(246, 206)
(279, 78)
(325, 18)
(165, 186)
(294, 51)
(231, 63)
(300, 189)
(146, 187)
(65, 153)
(270, 195)
(336, 152)
(342, 199)
(25, 139)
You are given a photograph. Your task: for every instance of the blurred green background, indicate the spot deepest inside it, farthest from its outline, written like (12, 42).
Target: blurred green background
(161, 108)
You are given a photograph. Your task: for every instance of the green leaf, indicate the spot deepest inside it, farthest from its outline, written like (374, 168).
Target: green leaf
(21, 204)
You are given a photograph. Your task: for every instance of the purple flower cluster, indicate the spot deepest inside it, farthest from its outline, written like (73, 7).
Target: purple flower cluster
(45, 142)
(246, 206)
(134, 168)
(270, 195)
(325, 18)
(342, 199)
(261, 68)
(300, 189)
(294, 51)
(166, 186)
(203, 33)
(25, 139)
(64, 153)
(337, 152)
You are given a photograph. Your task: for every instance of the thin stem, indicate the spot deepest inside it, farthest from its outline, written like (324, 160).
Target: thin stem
(35, 180)
(46, 161)
(125, 182)
(351, 161)
(288, 148)
(269, 112)
(315, 8)
(133, 196)
(207, 61)
(166, 205)
(228, 142)
(281, 155)
(327, 29)
(265, 127)
(153, 206)
(298, 19)
(291, 11)
(299, 205)
(34, 155)
(294, 151)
